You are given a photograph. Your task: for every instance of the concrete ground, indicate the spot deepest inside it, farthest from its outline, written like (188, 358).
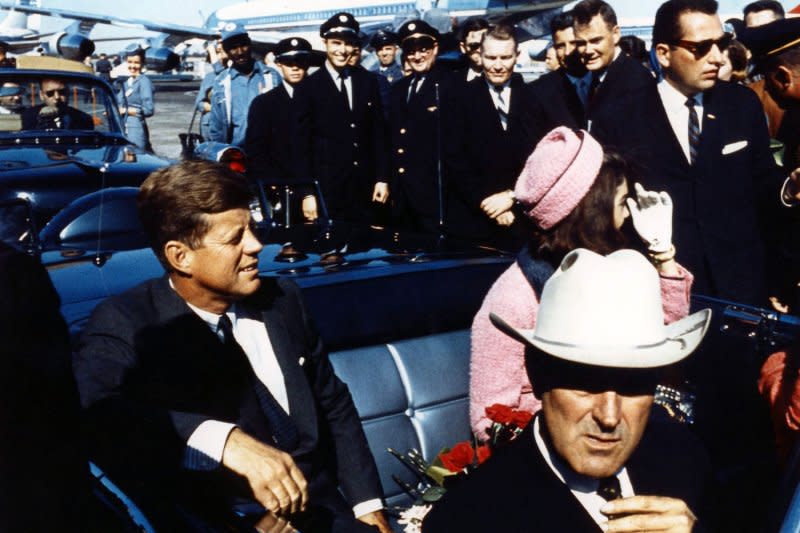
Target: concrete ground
(174, 103)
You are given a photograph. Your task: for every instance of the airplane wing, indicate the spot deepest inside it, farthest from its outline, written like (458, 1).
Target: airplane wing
(176, 30)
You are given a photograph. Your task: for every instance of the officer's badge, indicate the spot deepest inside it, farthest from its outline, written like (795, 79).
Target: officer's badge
(412, 26)
(294, 42)
(342, 18)
(230, 26)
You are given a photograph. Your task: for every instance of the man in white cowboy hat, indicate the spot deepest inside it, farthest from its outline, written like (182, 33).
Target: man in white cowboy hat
(590, 461)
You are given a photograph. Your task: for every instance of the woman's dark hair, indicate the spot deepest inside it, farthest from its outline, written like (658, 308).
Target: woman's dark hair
(138, 52)
(591, 224)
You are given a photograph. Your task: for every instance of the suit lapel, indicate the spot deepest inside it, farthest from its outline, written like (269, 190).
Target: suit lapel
(661, 129)
(710, 134)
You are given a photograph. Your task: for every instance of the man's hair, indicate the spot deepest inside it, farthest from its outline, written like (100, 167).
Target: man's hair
(470, 25)
(591, 224)
(501, 32)
(173, 201)
(667, 26)
(561, 22)
(585, 10)
(765, 5)
(634, 47)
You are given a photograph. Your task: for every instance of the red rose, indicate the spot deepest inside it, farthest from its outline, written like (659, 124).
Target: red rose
(483, 452)
(459, 457)
(521, 418)
(502, 414)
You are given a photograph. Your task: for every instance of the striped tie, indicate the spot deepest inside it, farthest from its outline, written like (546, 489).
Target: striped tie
(694, 129)
(502, 108)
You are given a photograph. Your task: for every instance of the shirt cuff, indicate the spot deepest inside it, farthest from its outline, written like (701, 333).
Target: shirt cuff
(369, 506)
(205, 445)
(789, 203)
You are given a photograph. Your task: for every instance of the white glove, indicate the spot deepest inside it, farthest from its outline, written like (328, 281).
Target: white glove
(652, 218)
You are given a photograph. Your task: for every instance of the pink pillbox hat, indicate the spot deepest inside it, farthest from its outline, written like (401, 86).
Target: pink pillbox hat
(557, 175)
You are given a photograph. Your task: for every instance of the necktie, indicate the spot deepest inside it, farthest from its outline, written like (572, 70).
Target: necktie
(594, 86)
(284, 432)
(414, 87)
(502, 107)
(582, 88)
(694, 129)
(609, 489)
(343, 75)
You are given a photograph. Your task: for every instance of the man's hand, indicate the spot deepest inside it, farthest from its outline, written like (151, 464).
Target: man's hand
(310, 208)
(505, 219)
(648, 513)
(793, 187)
(275, 480)
(381, 192)
(497, 204)
(377, 519)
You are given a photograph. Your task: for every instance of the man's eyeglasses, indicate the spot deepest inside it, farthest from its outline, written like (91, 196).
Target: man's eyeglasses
(52, 92)
(473, 46)
(701, 49)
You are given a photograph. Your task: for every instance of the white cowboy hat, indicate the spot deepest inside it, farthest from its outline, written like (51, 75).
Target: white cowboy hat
(607, 311)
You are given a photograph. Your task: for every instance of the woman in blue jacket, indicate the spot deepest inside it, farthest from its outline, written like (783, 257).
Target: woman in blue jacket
(135, 99)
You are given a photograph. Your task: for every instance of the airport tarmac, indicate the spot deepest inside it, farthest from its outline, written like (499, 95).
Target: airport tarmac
(174, 103)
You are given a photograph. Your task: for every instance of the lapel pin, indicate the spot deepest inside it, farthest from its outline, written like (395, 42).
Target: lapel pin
(712, 117)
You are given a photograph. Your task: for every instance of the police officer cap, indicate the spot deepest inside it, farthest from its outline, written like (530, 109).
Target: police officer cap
(341, 24)
(771, 39)
(293, 46)
(232, 30)
(382, 38)
(416, 28)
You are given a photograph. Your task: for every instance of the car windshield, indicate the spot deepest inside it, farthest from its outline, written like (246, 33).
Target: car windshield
(40, 103)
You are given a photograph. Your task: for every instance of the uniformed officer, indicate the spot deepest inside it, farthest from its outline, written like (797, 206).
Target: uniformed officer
(340, 130)
(416, 119)
(385, 45)
(218, 59)
(237, 86)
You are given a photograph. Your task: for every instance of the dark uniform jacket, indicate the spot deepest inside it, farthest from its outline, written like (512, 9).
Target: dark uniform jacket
(417, 124)
(267, 142)
(516, 491)
(150, 371)
(715, 215)
(482, 158)
(345, 150)
(556, 102)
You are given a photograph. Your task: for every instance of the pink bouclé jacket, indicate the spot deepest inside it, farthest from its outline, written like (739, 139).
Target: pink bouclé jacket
(497, 364)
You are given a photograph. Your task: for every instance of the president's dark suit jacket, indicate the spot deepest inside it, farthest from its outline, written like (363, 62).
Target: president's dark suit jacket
(417, 127)
(515, 491)
(555, 102)
(150, 371)
(481, 158)
(268, 140)
(71, 119)
(345, 150)
(715, 218)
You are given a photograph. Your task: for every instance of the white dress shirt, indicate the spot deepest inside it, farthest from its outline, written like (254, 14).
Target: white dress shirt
(674, 103)
(289, 88)
(583, 488)
(337, 79)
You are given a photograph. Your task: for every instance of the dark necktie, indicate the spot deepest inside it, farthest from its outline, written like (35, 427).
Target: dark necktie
(594, 85)
(343, 75)
(502, 107)
(413, 88)
(284, 432)
(694, 129)
(609, 489)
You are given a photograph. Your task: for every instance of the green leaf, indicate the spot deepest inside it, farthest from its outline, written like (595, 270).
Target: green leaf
(438, 473)
(433, 494)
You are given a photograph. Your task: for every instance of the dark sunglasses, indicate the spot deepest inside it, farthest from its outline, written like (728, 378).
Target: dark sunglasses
(472, 47)
(418, 44)
(52, 92)
(701, 49)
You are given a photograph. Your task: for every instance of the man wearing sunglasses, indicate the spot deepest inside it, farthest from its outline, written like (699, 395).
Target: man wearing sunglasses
(705, 142)
(267, 141)
(470, 37)
(54, 113)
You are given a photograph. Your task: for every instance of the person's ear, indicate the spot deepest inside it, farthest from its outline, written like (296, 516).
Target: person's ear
(615, 35)
(179, 256)
(663, 54)
(781, 79)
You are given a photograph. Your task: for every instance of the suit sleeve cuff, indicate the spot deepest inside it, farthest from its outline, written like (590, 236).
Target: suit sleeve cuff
(205, 445)
(787, 200)
(369, 506)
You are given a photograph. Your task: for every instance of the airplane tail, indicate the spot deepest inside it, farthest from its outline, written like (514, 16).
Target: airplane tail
(20, 21)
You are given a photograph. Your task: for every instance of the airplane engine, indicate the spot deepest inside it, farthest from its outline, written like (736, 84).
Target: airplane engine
(71, 45)
(161, 59)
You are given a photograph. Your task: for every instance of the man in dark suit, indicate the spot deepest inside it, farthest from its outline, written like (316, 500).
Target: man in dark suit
(561, 97)
(54, 113)
(614, 74)
(340, 130)
(470, 37)
(416, 118)
(706, 144)
(489, 136)
(599, 455)
(212, 384)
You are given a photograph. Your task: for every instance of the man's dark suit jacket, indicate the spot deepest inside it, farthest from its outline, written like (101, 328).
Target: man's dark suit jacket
(624, 76)
(516, 491)
(416, 127)
(150, 371)
(346, 150)
(481, 158)
(268, 139)
(556, 102)
(72, 118)
(715, 215)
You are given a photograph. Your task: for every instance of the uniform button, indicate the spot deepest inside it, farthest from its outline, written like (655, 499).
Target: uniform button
(401, 170)
(355, 163)
(402, 131)
(352, 124)
(355, 145)
(400, 151)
